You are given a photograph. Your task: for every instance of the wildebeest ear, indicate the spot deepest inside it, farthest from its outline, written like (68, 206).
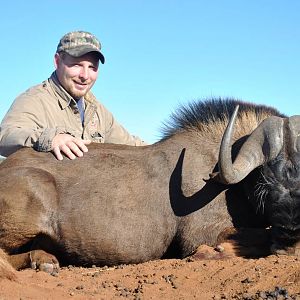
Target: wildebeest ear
(294, 133)
(215, 176)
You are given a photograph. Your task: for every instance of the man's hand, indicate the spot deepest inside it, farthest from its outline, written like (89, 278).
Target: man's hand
(72, 147)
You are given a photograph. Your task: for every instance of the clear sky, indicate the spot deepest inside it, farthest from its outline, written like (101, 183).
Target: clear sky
(160, 53)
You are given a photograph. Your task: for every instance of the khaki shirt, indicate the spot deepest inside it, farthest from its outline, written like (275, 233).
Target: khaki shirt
(46, 110)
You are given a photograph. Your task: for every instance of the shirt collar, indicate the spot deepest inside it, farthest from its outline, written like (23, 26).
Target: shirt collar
(65, 99)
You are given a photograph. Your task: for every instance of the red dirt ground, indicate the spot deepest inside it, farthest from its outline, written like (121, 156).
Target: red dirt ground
(273, 277)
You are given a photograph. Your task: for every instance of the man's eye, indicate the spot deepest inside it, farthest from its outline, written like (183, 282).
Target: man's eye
(73, 65)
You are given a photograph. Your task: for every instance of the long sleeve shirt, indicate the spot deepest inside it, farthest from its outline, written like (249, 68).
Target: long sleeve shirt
(45, 110)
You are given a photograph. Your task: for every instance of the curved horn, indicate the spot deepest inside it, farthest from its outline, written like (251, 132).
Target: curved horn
(262, 145)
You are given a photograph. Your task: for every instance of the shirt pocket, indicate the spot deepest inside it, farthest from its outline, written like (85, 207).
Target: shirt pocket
(94, 129)
(97, 137)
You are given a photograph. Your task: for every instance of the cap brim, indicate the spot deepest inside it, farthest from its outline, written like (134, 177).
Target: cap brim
(79, 51)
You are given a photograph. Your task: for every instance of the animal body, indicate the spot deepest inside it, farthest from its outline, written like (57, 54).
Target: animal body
(122, 204)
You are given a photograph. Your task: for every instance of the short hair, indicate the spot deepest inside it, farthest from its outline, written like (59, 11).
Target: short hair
(62, 54)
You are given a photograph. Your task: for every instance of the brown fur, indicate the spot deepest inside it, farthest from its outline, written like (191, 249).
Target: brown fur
(120, 204)
(245, 124)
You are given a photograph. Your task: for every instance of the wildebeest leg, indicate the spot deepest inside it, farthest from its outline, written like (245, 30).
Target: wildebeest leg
(43, 260)
(232, 242)
(247, 242)
(20, 261)
(28, 210)
(35, 259)
(205, 252)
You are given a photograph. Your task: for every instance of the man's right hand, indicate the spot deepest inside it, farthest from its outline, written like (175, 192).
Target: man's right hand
(68, 145)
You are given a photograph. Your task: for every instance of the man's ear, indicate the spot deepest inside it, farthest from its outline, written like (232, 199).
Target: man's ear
(56, 60)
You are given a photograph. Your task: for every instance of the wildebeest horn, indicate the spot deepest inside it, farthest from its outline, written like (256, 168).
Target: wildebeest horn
(262, 145)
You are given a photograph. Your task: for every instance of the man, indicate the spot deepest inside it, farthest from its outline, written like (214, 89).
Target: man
(61, 114)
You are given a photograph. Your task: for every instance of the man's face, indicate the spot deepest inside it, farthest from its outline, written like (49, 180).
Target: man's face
(77, 74)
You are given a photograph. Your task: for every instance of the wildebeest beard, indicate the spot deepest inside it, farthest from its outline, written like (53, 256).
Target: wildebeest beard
(277, 195)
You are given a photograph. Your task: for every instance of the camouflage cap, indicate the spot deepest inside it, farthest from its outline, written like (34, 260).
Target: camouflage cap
(78, 43)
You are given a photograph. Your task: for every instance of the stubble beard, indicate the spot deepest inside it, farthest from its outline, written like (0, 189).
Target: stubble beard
(77, 94)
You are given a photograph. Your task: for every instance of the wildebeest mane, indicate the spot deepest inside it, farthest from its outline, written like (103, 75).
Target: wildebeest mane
(197, 115)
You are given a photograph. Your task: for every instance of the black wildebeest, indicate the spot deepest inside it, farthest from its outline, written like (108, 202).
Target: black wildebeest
(123, 204)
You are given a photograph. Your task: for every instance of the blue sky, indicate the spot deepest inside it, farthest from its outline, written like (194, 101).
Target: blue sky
(160, 53)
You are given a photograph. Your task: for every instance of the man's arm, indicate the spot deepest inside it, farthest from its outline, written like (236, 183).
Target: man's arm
(13, 138)
(19, 130)
(25, 125)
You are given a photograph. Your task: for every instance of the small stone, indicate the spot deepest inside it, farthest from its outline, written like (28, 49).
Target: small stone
(246, 280)
(219, 248)
(79, 287)
(247, 296)
(262, 295)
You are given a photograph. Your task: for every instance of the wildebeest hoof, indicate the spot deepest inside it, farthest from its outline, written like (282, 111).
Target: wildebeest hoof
(222, 251)
(285, 250)
(43, 261)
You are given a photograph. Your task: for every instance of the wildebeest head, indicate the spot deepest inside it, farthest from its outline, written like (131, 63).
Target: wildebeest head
(274, 148)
